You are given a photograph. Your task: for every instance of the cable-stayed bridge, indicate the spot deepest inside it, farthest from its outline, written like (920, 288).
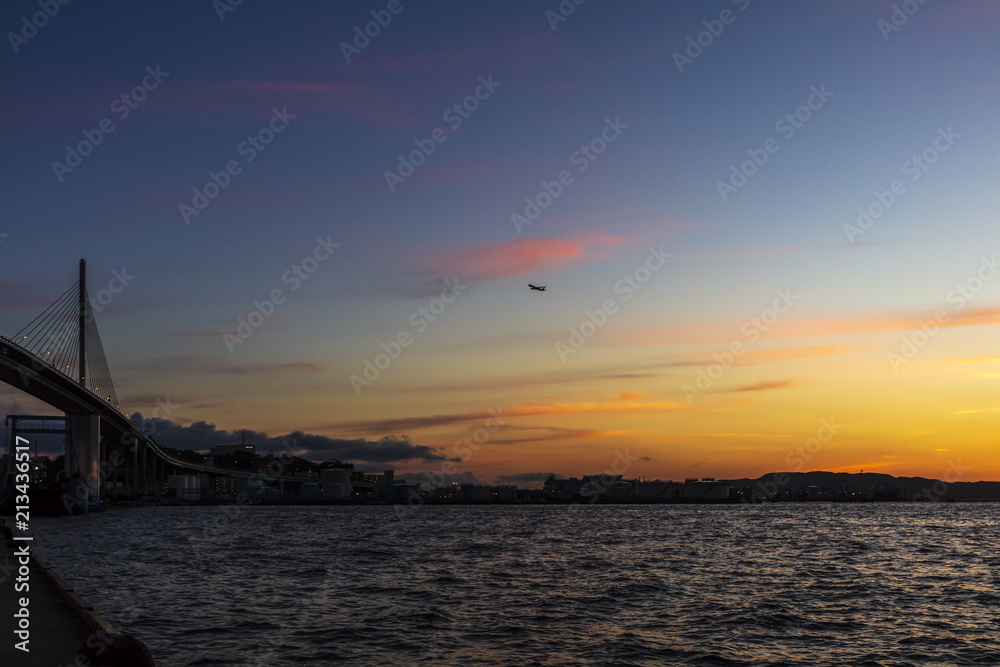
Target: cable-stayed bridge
(58, 359)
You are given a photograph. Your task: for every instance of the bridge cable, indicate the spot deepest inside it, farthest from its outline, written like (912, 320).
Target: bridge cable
(44, 340)
(34, 339)
(97, 362)
(45, 312)
(54, 337)
(67, 336)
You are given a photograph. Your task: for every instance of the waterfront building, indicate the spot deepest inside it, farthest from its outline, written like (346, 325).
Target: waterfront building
(658, 491)
(705, 489)
(504, 493)
(223, 450)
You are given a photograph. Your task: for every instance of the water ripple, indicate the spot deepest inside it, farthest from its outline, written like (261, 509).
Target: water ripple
(818, 584)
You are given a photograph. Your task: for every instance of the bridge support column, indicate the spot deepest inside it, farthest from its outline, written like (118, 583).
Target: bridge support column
(86, 431)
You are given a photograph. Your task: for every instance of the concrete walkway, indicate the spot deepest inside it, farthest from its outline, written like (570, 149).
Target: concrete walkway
(56, 630)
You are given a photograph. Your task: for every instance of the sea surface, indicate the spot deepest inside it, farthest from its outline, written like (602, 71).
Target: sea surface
(778, 584)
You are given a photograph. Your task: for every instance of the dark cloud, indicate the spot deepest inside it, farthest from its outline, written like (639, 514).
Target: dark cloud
(411, 423)
(436, 478)
(546, 434)
(202, 435)
(530, 477)
(188, 362)
(619, 372)
(270, 368)
(765, 386)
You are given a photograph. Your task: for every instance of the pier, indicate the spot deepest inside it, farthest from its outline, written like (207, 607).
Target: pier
(60, 621)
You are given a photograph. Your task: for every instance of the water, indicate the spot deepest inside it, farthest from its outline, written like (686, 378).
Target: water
(803, 584)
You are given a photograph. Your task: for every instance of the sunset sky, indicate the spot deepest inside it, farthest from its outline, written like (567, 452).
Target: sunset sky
(696, 196)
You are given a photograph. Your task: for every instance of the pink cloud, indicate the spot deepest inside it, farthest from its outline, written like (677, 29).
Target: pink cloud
(522, 256)
(378, 106)
(318, 87)
(206, 102)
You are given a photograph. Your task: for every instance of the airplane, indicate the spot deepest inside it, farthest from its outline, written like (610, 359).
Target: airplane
(537, 287)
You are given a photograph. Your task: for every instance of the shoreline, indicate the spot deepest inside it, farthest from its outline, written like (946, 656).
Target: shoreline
(64, 627)
(559, 502)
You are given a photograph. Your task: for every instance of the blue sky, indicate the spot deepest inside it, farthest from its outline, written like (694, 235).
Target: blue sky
(323, 176)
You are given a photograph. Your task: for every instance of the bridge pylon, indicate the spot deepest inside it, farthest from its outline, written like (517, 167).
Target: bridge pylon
(83, 451)
(58, 358)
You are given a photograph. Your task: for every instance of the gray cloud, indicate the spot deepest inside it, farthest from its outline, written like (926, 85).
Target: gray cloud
(202, 435)
(529, 477)
(765, 386)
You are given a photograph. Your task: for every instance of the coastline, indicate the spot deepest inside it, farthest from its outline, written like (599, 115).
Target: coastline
(60, 620)
(64, 627)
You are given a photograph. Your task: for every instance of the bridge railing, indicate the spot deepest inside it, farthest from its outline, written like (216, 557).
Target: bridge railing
(120, 422)
(38, 364)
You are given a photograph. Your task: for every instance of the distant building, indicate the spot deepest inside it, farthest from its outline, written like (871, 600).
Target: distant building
(562, 489)
(599, 486)
(658, 491)
(445, 493)
(504, 493)
(184, 487)
(232, 449)
(39, 468)
(604, 486)
(404, 492)
(483, 493)
(705, 489)
(475, 492)
(222, 485)
(373, 485)
(337, 483)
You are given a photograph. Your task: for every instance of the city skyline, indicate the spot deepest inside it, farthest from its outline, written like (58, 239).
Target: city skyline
(755, 258)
